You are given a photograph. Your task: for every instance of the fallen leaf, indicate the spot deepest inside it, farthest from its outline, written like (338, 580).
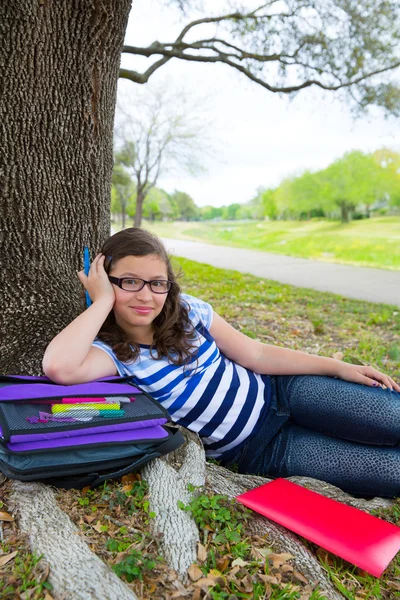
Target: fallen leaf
(201, 552)
(338, 355)
(246, 584)
(5, 559)
(299, 577)
(98, 527)
(214, 573)
(27, 595)
(5, 516)
(86, 489)
(89, 518)
(126, 479)
(261, 552)
(238, 562)
(268, 578)
(48, 596)
(277, 560)
(286, 568)
(194, 572)
(222, 563)
(181, 590)
(207, 582)
(127, 488)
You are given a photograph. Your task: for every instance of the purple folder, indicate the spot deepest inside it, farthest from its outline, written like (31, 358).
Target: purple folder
(144, 434)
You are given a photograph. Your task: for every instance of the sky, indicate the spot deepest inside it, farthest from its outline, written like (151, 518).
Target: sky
(257, 138)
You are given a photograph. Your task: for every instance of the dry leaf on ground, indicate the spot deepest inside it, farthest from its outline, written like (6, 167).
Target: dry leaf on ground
(194, 572)
(5, 516)
(5, 559)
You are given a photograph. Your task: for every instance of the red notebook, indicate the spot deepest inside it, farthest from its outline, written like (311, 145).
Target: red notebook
(356, 536)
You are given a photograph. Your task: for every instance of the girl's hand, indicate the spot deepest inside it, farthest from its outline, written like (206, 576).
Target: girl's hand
(97, 282)
(366, 375)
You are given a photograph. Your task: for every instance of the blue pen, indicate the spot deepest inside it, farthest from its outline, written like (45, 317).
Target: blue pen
(86, 267)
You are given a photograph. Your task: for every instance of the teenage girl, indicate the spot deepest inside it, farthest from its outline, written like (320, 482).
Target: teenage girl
(268, 410)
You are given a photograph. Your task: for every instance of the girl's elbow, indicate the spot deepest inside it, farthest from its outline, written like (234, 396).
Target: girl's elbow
(56, 373)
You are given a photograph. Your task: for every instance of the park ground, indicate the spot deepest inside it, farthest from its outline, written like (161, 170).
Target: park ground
(371, 242)
(274, 313)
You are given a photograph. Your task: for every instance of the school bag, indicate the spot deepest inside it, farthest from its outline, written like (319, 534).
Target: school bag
(73, 436)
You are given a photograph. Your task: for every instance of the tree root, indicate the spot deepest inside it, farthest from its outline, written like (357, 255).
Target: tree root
(168, 480)
(75, 572)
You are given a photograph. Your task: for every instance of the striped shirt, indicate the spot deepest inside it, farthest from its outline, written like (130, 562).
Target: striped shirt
(213, 396)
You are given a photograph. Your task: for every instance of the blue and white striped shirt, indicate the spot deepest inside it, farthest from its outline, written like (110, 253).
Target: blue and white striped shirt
(213, 396)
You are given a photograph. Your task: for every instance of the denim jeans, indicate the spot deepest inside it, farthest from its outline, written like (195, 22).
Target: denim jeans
(322, 427)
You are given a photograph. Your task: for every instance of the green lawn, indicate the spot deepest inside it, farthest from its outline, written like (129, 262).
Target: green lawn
(368, 242)
(114, 518)
(319, 323)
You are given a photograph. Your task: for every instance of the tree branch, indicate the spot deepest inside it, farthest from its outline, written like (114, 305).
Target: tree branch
(302, 52)
(223, 58)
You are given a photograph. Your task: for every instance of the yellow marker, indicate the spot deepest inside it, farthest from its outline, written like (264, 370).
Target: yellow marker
(64, 408)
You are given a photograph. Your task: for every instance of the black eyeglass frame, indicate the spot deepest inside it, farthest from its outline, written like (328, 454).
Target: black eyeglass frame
(119, 283)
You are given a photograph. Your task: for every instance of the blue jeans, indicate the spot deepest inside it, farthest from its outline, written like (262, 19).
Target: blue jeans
(322, 427)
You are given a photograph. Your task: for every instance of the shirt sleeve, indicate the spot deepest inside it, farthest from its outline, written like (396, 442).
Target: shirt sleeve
(122, 368)
(199, 310)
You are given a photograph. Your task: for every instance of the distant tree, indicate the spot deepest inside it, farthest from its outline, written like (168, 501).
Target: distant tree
(230, 212)
(208, 213)
(124, 189)
(185, 206)
(269, 204)
(389, 161)
(355, 179)
(156, 205)
(158, 133)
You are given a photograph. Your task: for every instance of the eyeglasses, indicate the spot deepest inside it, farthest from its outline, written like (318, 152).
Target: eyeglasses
(135, 284)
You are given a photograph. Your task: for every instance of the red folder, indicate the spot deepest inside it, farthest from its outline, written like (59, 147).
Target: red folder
(356, 536)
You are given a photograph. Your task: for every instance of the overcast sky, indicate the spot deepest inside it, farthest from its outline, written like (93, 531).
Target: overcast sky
(259, 138)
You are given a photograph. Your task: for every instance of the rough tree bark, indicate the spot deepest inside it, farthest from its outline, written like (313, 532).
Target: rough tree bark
(59, 64)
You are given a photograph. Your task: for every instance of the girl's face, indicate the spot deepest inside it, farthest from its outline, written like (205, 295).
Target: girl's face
(135, 311)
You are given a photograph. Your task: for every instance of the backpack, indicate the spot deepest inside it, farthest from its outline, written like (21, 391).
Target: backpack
(73, 436)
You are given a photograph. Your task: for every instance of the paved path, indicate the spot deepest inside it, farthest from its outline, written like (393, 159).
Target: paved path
(375, 285)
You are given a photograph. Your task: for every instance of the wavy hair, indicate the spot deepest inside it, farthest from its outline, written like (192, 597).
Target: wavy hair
(174, 334)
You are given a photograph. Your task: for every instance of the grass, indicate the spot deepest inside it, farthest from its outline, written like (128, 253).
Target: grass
(115, 519)
(321, 323)
(368, 242)
(299, 318)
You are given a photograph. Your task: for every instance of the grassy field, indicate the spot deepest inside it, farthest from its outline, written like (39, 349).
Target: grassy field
(368, 242)
(114, 519)
(320, 323)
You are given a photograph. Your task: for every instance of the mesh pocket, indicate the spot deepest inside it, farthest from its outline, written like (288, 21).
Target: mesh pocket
(18, 418)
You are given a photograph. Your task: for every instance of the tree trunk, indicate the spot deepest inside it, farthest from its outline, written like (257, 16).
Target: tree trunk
(345, 212)
(140, 196)
(123, 207)
(60, 63)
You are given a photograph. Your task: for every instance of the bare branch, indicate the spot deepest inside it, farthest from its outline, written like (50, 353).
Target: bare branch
(223, 58)
(331, 46)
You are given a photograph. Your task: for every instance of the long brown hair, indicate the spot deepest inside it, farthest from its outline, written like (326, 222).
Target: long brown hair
(174, 333)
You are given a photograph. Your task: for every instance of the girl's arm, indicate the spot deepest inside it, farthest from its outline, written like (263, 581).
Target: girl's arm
(70, 356)
(274, 360)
